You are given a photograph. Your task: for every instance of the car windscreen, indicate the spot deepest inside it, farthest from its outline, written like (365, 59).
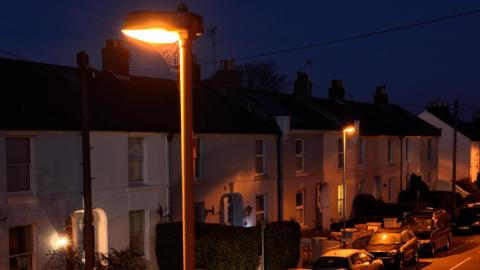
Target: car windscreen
(418, 224)
(385, 238)
(331, 262)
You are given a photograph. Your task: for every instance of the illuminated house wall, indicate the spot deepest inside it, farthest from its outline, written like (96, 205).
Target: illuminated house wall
(56, 191)
(467, 151)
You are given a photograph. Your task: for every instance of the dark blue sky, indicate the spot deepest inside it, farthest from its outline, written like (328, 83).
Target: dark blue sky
(418, 65)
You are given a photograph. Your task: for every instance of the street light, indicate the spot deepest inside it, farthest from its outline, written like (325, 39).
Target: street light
(346, 130)
(157, 28)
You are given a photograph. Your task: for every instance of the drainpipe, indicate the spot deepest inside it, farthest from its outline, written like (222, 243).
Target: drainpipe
(169, 177)
(279, 177)
(401, 163)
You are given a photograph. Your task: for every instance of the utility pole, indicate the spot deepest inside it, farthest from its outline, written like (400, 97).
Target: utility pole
(454, 159)
(88, 238)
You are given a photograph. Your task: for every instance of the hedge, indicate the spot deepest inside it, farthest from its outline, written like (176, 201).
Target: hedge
(225, 247)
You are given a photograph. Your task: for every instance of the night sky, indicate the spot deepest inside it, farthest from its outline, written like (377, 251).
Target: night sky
(436, 61)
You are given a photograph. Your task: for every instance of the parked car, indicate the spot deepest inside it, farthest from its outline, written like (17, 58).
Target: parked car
(394, 246)
(348, 259)
(432, 229)
(468, 220)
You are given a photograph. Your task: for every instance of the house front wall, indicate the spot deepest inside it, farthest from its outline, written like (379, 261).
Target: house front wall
(227, 165)
(56, 191)
(445, 150)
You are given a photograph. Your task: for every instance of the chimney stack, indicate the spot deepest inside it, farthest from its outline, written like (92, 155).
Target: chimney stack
(302, 85)
(116, 57)
(336, 90)
(381, 96)
(227, 76)
(439, 107)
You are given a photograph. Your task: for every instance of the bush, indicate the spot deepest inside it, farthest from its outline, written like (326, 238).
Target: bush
(225, 247)
(282, 245)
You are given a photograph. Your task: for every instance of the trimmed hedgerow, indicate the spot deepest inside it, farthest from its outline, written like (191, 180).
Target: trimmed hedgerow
(225, 247)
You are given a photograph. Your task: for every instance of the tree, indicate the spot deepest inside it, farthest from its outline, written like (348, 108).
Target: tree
(262, 76)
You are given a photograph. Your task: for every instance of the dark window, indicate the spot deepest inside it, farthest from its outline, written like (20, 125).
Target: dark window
(20, 247)
(18, 163)
(299, 154)
(389, 151)
(137, 231)
(199, 212)
(260, 209)
(259, 157)
(135, 159)
(196, 157)
(340, 153)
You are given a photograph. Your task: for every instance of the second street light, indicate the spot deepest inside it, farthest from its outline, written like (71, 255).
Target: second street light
(346, 130)
(156, 28)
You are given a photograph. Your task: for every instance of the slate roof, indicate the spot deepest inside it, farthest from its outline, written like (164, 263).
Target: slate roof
(470, 129)
(36, 96)
(330, 114)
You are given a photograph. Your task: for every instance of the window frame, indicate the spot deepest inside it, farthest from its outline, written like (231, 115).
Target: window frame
(340, 201)
(30, 252)
(141, 160)
(197, 159)
(300, 209)
(340, 154)
(143, 232)
(258, 156)
(27, 165)
(262, 212)
(300, 156)
(389, 151)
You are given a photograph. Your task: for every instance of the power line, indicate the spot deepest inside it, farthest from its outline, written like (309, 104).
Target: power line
(344, 39)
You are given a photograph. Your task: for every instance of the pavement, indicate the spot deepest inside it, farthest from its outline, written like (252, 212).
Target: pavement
(464, 254)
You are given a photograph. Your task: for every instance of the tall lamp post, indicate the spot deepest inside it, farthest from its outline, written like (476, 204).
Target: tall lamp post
(346, 130)
(156, 28)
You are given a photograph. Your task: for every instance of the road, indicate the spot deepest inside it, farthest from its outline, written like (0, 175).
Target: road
(464, 254)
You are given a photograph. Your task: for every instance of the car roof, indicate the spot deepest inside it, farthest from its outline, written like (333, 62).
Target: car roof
(340, 253)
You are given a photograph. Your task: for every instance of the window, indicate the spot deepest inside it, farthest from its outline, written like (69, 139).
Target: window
(18, 163)
(196, 157)
(391, 189)
(361, 152)
(20, 241)
(407, 149)
(199, 212)
(260, 214)
(389, 151)
(361, 187)
(299, 148)
(259, 157)
(299, 206)
(340, 153)
(135, 159)
(340, 200)
(429, 149)
(137, 231)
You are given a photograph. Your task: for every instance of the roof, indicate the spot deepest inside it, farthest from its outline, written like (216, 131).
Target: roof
(36, 96)
(333, 114)
(340, 253)
(469, 129)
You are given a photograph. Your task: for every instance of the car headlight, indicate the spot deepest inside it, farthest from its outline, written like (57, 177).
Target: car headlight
(392, 252)
(476, 223)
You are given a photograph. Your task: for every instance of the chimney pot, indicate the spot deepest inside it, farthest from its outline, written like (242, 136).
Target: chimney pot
(381, 96)
(336, 90)
(302, 85)
(116, 57)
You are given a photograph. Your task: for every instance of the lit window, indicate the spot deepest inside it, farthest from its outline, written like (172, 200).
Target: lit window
(18, 163)
(20, 241)
(299, 149)
(196, 157)
(340, 200)
(340, 153)
(299, 206)
(135, 159)
(361, 152)
(259, 157)
(389, 151)
(260, 209)
(137, 231)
